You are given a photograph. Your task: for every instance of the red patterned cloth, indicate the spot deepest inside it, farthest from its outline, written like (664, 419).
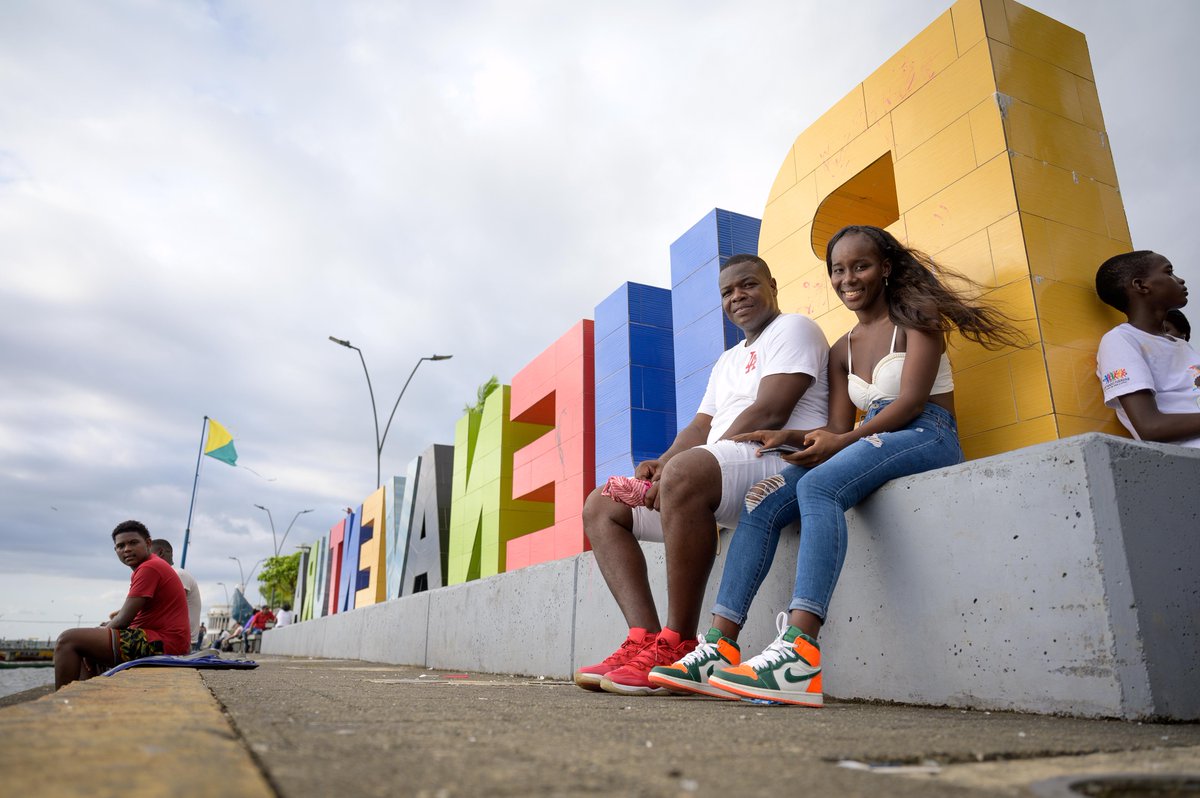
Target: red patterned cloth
(626, 490)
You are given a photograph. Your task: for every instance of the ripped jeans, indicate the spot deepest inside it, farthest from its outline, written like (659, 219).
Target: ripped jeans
(819, 497)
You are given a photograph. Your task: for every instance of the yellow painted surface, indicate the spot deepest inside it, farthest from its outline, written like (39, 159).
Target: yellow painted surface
(930, 52)
(1072, 425)
(1070, 315)
(995, 18)
(1009, 251)
(789, 211)
(1048, 137)
(1001, 170)
(1073, 381)
(836, 128)
(785, 179)
(962, 86)
(971, 257)
(1037, 82)
(142, 732)
(1048, 39)
(968, 24)
(372, 554)
(983, 197)
(935, 164)
(987, 130)
(1010, 436)
(1059, 194)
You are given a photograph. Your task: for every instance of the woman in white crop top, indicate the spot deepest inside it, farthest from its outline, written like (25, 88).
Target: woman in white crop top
(893, 366)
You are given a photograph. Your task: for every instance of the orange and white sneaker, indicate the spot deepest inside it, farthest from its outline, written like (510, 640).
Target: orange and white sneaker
(589, 676)
(690, 674)
(788, 671)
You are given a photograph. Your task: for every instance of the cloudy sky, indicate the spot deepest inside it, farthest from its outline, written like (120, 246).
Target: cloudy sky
(194, 196)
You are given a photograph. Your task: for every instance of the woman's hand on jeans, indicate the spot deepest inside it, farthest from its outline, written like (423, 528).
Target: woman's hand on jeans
(819, 446)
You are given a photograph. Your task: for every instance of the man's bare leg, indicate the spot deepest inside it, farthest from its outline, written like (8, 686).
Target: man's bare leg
(609, 527)
(73, 646)
(690, 492)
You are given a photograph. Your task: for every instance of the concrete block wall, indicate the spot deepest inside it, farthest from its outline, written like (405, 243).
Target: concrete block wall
(1061, 579)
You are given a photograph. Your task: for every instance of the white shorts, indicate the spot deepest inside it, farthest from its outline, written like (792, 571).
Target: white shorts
(741, 468)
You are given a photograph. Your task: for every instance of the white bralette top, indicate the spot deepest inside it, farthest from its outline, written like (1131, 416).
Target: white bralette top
(885, 378)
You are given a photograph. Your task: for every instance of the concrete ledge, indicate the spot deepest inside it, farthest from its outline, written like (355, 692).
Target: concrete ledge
(142, 732)
(1055, 579)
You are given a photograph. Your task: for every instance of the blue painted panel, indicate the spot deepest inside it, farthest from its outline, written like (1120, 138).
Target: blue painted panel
(651, 346)
(698, 346)
(688, 393)
(348, 583)
(612, 395)
(657, 388)
(694, 248)
(613, 437)
(617, 467)
(612, 352)
(650, 305)
(737, 234)
(614, 310)
(696, 295)
(653, 431)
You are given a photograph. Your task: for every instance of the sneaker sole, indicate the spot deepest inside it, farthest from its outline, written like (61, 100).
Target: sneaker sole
(609, 686)
(688, 687)
(588, 681)
(782, 696)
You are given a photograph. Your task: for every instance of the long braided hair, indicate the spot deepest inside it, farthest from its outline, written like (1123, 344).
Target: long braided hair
(919, 299)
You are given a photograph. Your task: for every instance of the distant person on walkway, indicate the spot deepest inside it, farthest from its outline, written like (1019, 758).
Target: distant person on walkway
(262, 620)
(162, 548)
(285, 616)
(153, 620)
(1150, 378)
(777, 377)
(198, 643)
(892, 366)
(1176, 325)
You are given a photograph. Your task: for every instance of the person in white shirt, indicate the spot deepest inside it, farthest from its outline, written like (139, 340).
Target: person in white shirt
(1150, 378)
(285, 616)
(162, 548)
(776, 378)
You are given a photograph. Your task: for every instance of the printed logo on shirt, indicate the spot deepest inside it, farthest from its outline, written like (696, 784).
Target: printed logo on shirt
(752, 363)
(1195, 372)
(1114, 378)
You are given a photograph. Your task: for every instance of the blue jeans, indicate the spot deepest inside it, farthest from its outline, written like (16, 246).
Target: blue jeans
(819, 498)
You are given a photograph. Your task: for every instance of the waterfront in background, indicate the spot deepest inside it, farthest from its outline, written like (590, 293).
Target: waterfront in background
(16, 680)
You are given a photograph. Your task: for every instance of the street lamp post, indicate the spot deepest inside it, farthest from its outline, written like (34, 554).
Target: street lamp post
(379, 440)
(241, 574)
(277, 543)
(222, 584)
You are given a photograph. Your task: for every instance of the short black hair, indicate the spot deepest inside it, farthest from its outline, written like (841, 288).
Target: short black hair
(1115, 275)
(162, 543)
(1180, 322)
(287, 607)
(131, 526)
(735, 260)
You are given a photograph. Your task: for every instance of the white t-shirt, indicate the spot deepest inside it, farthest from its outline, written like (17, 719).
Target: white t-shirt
(283, 618)
(193, 599)
(791, 344)
(1131, 360)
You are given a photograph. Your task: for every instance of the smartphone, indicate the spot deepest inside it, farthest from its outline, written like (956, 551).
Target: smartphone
(783, 448)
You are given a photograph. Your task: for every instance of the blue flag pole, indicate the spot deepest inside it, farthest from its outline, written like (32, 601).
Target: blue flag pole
(187, 533)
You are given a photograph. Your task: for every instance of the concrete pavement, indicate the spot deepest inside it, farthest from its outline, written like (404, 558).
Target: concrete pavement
(346, 728)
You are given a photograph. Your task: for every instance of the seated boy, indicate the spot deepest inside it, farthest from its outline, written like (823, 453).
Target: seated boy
(153, 620)
(1150, 378)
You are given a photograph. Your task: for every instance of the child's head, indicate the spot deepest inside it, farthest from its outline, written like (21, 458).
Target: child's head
(1176, 324)
(1142, 277)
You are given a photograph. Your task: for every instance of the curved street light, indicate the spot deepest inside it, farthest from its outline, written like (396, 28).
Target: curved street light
(374, 412)
(278, 544)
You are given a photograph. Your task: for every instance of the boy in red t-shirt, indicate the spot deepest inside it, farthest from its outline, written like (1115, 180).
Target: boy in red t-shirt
(154, 619)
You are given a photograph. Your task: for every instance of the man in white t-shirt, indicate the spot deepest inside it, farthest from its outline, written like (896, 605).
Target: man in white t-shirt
(776, 378)
(1151, 379)
(162, 548)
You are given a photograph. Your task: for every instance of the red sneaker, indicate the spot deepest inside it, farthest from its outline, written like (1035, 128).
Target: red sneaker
(589, 676)
(632, 679)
